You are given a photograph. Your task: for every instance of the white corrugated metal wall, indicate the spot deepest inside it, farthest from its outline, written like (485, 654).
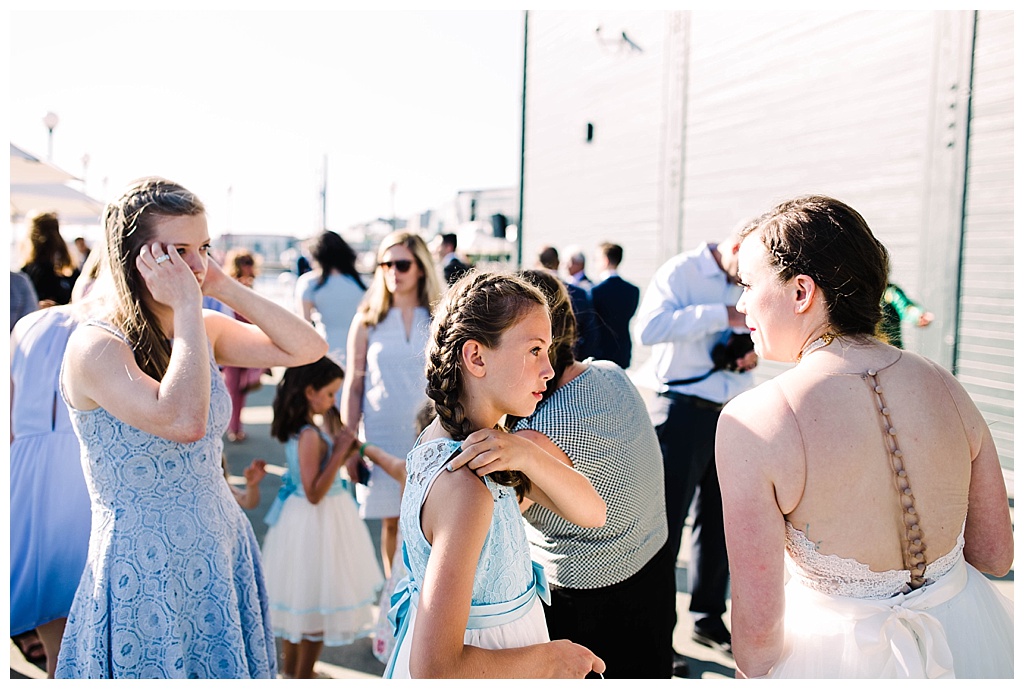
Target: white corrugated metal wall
(727, 113)
(984, 346)
(579, 192)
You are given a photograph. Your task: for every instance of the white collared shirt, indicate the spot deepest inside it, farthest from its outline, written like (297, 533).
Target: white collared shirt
(682, 316)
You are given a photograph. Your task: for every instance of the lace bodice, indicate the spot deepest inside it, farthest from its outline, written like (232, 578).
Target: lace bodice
(843, 576)
(504, 570)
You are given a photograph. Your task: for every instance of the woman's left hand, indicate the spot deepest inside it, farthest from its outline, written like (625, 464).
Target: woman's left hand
(215, 279)
(489, 450)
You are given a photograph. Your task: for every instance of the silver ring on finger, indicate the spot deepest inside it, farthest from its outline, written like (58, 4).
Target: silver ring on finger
(161, 259)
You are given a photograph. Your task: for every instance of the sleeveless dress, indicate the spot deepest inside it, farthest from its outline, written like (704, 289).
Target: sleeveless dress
(504, 612)
(173, 586)
(321, 566)
(937, 618)
(394, 391)
(336, 302)
(49, 501)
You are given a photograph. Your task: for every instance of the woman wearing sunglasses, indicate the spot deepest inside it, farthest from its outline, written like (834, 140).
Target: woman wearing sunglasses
(385, 382)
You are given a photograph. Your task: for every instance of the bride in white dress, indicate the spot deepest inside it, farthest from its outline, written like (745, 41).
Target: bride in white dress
(865, 471)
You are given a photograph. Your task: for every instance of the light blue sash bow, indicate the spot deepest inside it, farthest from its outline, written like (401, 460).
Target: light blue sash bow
(480, 616)
(288, 487)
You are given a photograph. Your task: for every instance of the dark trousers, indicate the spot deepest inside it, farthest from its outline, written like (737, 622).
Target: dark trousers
(687, 439)
(628, 625)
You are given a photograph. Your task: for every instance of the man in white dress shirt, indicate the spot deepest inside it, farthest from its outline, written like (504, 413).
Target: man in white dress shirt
(689, 307)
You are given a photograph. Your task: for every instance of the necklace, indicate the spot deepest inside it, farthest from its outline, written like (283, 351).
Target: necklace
(823, 341)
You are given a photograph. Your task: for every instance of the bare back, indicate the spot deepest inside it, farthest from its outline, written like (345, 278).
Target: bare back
(850, 503)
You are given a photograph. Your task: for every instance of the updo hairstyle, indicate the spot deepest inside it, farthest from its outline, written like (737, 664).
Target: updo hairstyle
(831, 243)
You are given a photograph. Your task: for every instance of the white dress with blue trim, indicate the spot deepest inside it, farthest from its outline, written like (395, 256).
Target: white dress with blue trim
(505, 612)
(321, 567)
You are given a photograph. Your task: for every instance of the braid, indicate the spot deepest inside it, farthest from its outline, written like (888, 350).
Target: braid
(480, 306)
(444, 382)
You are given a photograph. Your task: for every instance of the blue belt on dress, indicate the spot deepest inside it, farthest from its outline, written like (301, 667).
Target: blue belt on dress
(481, 616)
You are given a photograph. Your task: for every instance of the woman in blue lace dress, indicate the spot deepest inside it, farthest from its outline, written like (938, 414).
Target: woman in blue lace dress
(173, 585)
(469, 606)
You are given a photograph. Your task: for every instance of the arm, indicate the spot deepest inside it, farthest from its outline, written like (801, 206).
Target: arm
(254, 475)
(392, 466)
(755, 535)
(316, 481)
(988, 534)
(556, 485)
(456, 517)
(101, 369)
(352, 388)
(665, 315)
(274, 336)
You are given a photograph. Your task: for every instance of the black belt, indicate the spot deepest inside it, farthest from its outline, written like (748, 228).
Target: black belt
(698, 402)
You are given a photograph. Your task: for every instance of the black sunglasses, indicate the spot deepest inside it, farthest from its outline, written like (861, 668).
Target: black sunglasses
(402, 266)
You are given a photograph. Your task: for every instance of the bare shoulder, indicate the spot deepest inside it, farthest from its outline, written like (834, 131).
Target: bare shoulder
(760, 408)
(457, 500)
(95, 356)
(758, 442)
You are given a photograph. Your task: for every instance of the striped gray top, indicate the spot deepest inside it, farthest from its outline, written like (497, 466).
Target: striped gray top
(599, 420)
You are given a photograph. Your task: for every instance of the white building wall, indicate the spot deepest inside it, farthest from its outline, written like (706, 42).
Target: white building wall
(583, 193)
(724, 114)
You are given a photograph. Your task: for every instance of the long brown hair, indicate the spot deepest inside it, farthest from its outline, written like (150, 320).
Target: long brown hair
(378, 299)
(45, 245)
(479, 306)
(130, 224)
(291, 408)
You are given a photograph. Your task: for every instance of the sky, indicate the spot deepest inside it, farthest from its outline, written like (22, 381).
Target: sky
(242, 107)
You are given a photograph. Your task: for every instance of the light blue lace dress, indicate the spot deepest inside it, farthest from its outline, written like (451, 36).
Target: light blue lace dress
(504, 612)
(173, 586)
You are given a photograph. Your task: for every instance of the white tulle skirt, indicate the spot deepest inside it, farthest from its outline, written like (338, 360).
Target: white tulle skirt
(527, 630)
(958, 626)
(321, 571)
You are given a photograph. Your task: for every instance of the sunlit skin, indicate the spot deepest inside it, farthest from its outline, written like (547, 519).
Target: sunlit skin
(519, 369)
(189, 237)
(772, 307)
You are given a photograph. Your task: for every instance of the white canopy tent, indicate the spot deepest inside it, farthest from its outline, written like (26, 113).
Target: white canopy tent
(40, 186)
(71, 206)
(27, 169)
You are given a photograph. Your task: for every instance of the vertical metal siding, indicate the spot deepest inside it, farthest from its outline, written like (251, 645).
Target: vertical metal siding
(579, 192)
(984, 362)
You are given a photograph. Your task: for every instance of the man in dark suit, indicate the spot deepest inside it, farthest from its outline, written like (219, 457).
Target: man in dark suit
(587, 336)
(451, 265)
(614, 302)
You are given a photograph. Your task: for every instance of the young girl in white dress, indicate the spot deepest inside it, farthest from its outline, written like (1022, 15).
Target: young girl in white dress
(321, 569)
(469, 607)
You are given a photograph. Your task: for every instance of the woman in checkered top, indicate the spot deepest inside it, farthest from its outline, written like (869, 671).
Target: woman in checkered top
(612, 587)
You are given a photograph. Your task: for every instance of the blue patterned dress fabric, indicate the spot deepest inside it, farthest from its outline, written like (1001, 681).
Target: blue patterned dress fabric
(173, 586)
(506, 586)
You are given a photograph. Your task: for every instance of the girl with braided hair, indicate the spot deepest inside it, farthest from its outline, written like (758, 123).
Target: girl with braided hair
(468, 607)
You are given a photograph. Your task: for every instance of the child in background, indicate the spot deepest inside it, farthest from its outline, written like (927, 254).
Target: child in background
(254, 475)
(321, 569)
(469, 606)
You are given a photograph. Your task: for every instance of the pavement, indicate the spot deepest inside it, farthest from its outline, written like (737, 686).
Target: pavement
(356, 661)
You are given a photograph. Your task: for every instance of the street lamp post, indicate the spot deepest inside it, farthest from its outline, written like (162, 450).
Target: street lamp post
(50, 120)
